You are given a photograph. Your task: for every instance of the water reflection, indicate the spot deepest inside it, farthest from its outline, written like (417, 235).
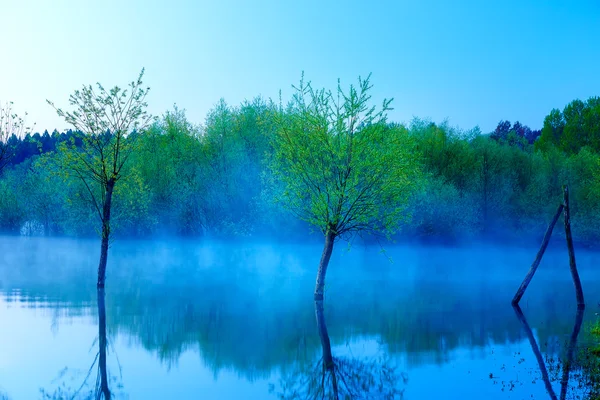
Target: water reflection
(235, 318)
(101, 389)
(342, 377)
(566, 364)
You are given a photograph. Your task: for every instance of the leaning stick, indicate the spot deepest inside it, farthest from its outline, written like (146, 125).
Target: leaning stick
(572, 264)
(538, 258)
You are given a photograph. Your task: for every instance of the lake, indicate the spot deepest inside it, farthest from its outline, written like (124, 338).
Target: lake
(190, 319)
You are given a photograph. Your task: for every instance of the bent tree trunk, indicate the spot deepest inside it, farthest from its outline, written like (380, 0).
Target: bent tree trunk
(325, 256)
(102, 344)
(110, 185)
(328, 365)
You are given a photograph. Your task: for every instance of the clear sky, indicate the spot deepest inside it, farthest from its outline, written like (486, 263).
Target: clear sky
(473, 62)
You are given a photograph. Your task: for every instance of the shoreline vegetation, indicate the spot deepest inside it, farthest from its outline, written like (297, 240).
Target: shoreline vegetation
(216, 180)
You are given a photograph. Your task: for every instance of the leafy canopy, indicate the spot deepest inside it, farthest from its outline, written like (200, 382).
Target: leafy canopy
(344, 169)
(107, 123)
(10, 125)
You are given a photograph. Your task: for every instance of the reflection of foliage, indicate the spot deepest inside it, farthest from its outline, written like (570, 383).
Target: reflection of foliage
(101, 387)
(351, 378)
(217, 303)
(577, 369)
(341, 377)
(83, 390)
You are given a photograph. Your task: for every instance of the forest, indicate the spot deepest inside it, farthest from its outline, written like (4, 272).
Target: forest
(217, 179)
(253, 185)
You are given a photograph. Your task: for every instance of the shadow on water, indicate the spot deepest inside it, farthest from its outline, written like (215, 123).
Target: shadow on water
(101, 389)
(567, 364)
(342, 377)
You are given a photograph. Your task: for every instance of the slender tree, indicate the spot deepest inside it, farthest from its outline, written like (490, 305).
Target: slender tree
(10, 125)
(107, 122)
(344, 169)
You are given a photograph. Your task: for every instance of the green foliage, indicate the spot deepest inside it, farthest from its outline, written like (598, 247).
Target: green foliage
(345, 170)
(107, 122)
(439, 209)
(237, 142)
(211, 179)
(104, 121)
(11, 126)
(168, 165)
(132, 213)
(446, 152)
(330, 157)
(576, 127)
(45, 195)
(12, 207)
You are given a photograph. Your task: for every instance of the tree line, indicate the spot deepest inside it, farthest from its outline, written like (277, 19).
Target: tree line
(217, 179)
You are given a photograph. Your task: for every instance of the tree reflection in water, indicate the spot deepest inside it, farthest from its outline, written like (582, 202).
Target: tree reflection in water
(342, 377)
(101, 388)
(565, 365)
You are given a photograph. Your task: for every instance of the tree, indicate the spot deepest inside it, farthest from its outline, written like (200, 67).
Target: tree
(108, 123)
(518, 135)
(501, 131)
(577, 126)
(169, 160)
(11, 125)
(344, 169)
(236, 141)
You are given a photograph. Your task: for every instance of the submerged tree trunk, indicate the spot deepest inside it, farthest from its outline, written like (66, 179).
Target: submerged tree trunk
(328, 365)
(325, 256)
(104, 390)
(572, 264)
(110, 185)
(568, 363)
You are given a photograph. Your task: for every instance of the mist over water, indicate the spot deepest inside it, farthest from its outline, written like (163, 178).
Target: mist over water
(189, 319)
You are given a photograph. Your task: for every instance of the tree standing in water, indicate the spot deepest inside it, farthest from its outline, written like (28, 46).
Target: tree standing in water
(107, 123)
(345, 170)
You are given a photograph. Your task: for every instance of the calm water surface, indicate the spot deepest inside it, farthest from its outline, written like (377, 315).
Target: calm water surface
(192, 320)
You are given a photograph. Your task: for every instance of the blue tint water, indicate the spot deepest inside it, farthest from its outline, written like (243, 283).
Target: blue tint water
(218, 320)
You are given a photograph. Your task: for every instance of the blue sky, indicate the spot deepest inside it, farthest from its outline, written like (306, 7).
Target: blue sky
(473, 62)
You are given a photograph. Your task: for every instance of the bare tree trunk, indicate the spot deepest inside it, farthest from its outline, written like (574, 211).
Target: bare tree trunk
(323, 334)
(104, 390)
(328, 365)
(325, 256)
(572, 264)
(105, 233)
(536, 351)
(538, 258)
(564, 382)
